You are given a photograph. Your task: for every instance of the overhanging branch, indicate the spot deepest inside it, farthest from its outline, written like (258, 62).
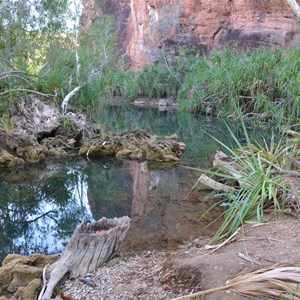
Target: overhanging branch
(27, 91)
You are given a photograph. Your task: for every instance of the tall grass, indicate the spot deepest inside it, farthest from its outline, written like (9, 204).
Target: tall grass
(260, 83)
(231, 79)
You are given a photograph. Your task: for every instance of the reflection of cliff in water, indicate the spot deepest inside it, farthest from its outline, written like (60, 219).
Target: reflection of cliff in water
(109, 189)
(162, 215)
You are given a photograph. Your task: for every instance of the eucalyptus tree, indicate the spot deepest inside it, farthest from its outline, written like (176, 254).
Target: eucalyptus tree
(95, 50)
(44, 51)
(27, 29)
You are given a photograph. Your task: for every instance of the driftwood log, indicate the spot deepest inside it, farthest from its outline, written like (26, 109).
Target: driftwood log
(231, 167)
(90, 246)
(215, 185)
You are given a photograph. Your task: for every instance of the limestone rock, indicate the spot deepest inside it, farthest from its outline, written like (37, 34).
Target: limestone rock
(8, 160)
(72, 125)
(70, 131)
(41, 131)
(30, 291)
(133, 154)
(35, 117)
(166, 150)
(20, 276)
(135, 144)
(33, 154)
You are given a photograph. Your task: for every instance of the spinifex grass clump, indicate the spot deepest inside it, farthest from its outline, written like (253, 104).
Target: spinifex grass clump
(260, 175)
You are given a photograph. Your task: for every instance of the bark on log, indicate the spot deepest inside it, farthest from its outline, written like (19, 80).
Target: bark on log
(214, 185)
(232, 168)
(292, 133)
(90, 247)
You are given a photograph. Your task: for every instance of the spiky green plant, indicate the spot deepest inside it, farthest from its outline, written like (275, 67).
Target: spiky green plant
(257, 186)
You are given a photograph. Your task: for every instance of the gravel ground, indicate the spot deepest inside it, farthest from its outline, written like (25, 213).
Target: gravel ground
(169, 274)
(136, 277)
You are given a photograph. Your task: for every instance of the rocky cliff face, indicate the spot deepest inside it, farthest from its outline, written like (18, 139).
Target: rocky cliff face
(146, 26)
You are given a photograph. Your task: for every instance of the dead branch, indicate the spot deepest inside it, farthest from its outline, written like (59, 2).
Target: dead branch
(65, 102)
(8, 63)
(218, 246)
(280, 170)
(19, 77)
(295, 7)
(18, 72)
(292, 133)
(248, 258)
(27, 91)
(295, 162)
(44, 282)
(223, 160)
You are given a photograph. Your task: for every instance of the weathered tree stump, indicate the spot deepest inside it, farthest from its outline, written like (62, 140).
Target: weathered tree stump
(90, 246)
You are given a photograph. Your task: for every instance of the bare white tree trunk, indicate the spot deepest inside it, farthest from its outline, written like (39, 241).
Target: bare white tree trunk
(295, 7)
(77, 6)
(65, 102)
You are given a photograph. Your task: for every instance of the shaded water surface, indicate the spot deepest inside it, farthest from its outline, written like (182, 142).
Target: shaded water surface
(41, 205)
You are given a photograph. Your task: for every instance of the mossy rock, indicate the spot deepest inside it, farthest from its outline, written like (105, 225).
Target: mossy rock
(9, 160)
(20, 276)
(30, 291)
(135, 144)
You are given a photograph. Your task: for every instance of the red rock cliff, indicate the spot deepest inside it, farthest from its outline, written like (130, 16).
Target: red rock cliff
(146, 26)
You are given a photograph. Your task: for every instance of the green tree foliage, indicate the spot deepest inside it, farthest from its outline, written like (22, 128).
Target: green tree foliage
(28, 31)
(79, 60)
(26, 26)
(41, 52)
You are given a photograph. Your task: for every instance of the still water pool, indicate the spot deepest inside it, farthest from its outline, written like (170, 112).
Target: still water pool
(41, 205)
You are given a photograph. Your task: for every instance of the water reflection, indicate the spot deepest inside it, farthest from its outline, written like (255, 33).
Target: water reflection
(39, 215)
(41, 205)
(162, 211)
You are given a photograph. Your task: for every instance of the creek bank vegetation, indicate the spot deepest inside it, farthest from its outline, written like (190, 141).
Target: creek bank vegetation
(78, 70)
(254, 179)
(259, 83)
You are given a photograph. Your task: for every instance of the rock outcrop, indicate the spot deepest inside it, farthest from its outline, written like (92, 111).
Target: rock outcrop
(40, 131)
(37, 131)
(135, 144)
(146, 26)
(21, 276)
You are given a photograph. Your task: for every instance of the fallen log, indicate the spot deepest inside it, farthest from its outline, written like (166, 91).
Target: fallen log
(90, 246)
(232, 168)
(215, 185)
